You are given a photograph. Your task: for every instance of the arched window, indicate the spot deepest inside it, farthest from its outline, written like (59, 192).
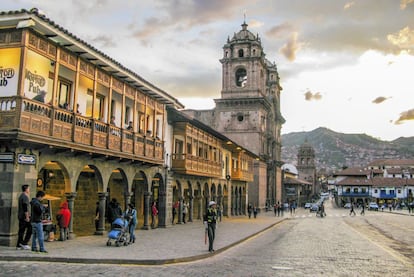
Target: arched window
(241, 77)
(241, 53)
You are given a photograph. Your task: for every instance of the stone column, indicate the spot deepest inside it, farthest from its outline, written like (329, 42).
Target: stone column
(219, 202)
(102, 200)
(180, 210)
(200, 207)
(162, 209)
(233, 203)
(190, 209)
(147, 209)
(127, 197)
(70, 197)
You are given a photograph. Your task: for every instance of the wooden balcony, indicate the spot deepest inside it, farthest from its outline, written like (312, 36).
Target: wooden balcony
(189, 164)
(40, 123)
(242, 175)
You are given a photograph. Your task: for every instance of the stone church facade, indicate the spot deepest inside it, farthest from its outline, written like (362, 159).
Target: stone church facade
(306, 166)
(248, 111)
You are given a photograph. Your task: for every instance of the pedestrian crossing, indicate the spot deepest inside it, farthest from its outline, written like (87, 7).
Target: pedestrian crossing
(328, 215)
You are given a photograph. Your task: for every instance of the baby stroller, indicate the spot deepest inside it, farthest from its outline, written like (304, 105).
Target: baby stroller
(119, 232)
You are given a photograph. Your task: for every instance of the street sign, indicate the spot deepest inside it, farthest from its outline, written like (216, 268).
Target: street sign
(6, 157)
(26, 159)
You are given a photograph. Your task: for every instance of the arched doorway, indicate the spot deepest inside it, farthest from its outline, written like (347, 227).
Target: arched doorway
(88, 184)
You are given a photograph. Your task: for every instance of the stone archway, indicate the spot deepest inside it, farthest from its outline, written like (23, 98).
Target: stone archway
(88, 183)
(139, 190)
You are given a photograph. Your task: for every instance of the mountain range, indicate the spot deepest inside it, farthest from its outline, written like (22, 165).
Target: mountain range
(334, 151)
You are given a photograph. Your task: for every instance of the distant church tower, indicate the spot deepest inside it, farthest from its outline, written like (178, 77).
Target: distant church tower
(248, 111)
(306, 164)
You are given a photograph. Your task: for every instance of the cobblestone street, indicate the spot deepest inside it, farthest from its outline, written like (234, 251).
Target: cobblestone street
(377, 244)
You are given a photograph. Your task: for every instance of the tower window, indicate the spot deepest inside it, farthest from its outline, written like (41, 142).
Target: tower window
(241, 77)
(254, 52)
(241, 53)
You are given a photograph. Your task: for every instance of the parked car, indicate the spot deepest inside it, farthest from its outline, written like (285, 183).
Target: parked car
(347, 206)
(314, 208)
(308, 205)
(373, 206)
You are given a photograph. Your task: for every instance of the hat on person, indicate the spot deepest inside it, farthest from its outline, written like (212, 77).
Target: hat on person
(211, 203)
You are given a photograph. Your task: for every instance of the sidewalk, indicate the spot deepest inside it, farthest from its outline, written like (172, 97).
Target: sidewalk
(174, 244)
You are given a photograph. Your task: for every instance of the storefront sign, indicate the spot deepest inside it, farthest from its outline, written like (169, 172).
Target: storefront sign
(5, 75)
(290, 191)
(26, 159)
(9, 71)
(6, 157)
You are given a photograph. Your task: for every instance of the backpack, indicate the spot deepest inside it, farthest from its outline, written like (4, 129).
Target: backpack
(59, 218)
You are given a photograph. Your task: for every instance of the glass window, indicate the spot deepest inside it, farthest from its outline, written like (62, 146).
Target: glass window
(64, 93)
(98, 105)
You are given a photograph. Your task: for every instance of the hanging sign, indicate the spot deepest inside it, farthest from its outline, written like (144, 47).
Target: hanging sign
(26, 159)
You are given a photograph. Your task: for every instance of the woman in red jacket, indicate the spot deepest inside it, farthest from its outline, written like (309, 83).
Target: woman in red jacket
(63, 219)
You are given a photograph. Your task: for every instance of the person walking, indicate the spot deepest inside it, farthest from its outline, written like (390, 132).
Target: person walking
(154, 214)
(279, 208)
(363, 209)
(249, 210)
(185, 211)
(63, 217)
(131, 215)
(322, 210)
(219, 212)
(97, 216)
(23, 215)
(255, 211)
(175, 207)
(36, 220)
(352, 211)
(114, 210)
(210, 220)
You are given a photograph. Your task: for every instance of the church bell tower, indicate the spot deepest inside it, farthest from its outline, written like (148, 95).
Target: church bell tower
(248, 111)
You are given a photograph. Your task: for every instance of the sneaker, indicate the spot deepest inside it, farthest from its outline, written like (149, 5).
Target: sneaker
(19, 248)
(25, 246)
(35, 250)
(43, 251)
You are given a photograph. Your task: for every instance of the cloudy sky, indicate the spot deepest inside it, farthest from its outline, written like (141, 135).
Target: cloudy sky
(344, 65)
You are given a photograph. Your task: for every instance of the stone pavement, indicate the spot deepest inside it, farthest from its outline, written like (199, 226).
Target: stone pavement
(176, 243)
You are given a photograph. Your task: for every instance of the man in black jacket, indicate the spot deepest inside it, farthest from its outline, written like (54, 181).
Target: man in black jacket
(23, 214)
(36, 218)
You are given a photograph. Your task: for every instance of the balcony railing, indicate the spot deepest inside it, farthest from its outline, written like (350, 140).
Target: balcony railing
(387, 195)
(354, 194)
(57, 125)
(190, 164)
(242, 175)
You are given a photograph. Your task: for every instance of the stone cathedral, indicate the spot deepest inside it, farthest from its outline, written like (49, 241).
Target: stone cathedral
(248, 111)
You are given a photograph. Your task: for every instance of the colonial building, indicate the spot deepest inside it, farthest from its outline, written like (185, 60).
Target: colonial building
(248, 111)
(294, 190)
(205, 165)
(85, 129)
(382, 181)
